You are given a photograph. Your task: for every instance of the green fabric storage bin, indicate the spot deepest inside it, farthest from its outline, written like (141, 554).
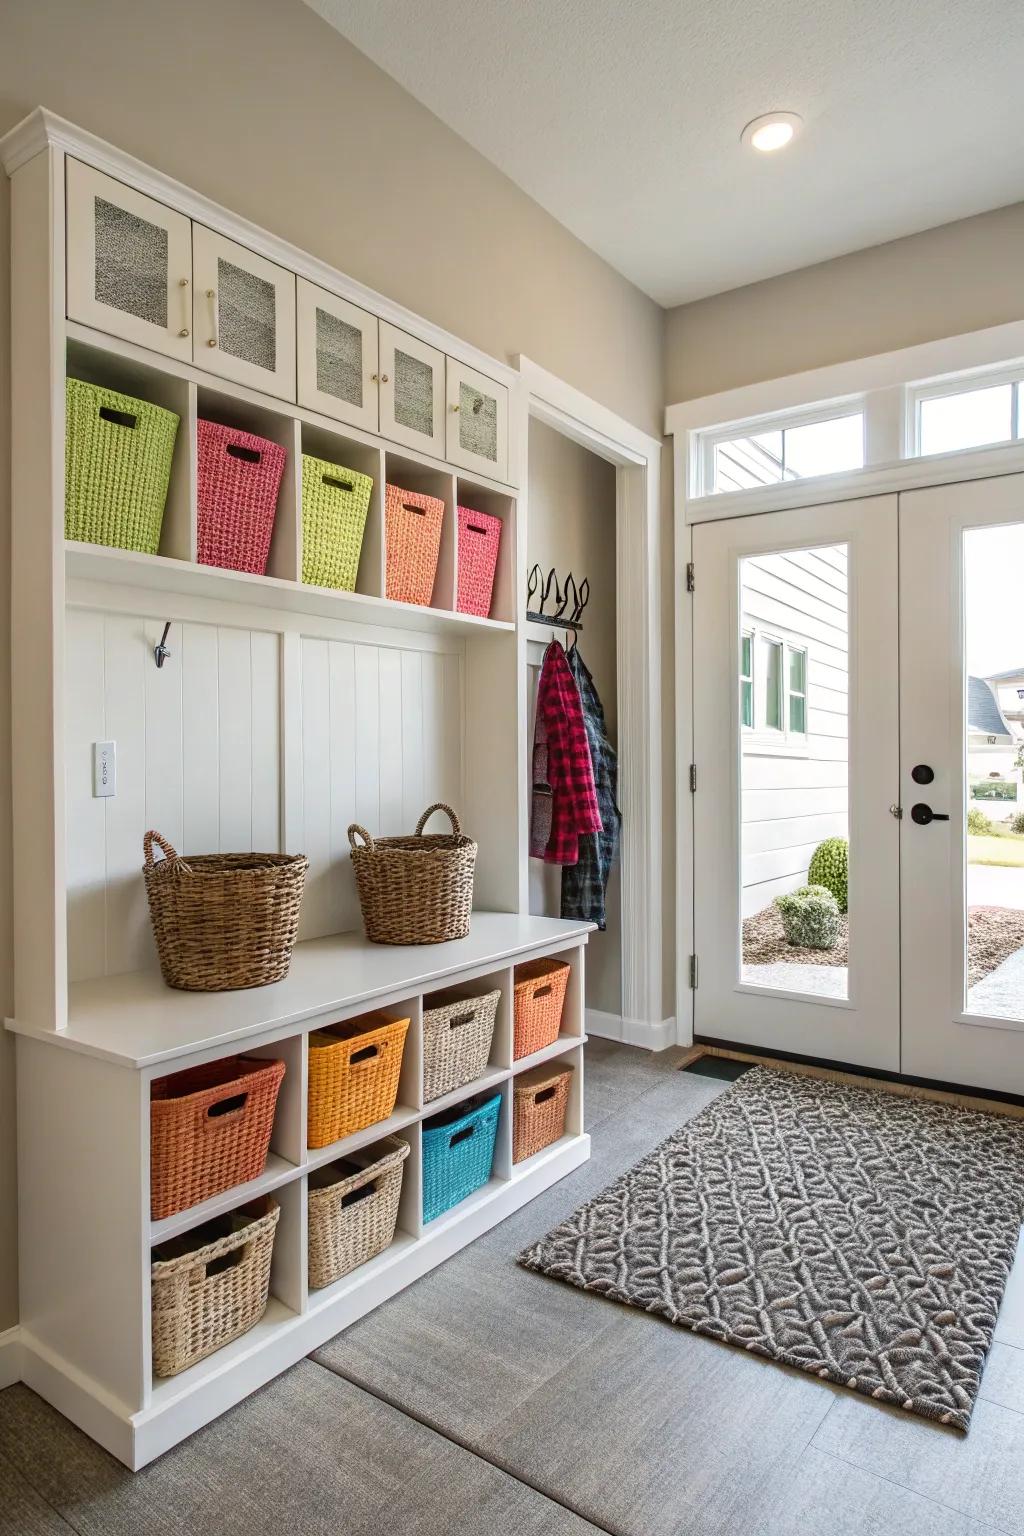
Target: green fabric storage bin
(117, 467)
(335, 502)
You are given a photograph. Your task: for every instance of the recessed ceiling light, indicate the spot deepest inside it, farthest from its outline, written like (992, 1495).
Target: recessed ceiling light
(772, 131)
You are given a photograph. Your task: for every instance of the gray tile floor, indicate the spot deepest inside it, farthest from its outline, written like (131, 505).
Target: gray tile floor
(485, 1399)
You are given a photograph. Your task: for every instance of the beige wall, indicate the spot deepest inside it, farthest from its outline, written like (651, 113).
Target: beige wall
(8, 1201)
(959, 277)
(262, 106)
(571, 526)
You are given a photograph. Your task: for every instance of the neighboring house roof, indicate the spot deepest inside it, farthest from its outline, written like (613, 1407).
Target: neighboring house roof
(1006, 677)
(983, 712)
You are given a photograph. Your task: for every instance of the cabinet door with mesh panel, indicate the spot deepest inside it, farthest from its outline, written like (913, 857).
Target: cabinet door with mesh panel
(411, 391)
(244, 315)
(337, 357)
(477, 422)
(129, 263)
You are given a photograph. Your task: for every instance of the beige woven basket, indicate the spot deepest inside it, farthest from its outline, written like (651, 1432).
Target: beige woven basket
(211, 1285)
(353, 1209)
(223, 920)
(415, 890)
(540, 1100)
(457, 1035)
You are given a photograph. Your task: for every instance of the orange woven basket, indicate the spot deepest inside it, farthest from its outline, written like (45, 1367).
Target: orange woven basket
(353, 1075)
(540, 997)
(412, 543)
(209, 1129)
(540, 1100)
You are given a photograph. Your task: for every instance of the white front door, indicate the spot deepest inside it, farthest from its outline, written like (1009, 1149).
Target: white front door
(961, 641)
(796, 732)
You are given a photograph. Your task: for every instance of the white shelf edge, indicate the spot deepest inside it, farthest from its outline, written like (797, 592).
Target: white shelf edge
(404, 1116)
(492, 1078)
(364, 1274)
(278, 1171)
(559, 1047)
(275, 1320)
(541, 1159)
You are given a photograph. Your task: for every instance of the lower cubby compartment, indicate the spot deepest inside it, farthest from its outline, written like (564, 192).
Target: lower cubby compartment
(353, 1207)
(459, 1150)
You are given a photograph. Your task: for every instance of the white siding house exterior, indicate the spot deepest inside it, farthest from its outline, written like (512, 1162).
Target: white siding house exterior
(795, 745)
(994, 734)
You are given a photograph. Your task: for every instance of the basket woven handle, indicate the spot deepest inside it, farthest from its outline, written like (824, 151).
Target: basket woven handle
(439, 806)
(362, 832)
(170, 853)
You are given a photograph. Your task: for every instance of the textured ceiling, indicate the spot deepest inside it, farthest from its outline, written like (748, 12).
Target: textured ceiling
(623, 119)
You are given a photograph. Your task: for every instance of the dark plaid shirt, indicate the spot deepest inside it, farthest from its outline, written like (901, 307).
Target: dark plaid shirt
(574, 808)
(585, 884)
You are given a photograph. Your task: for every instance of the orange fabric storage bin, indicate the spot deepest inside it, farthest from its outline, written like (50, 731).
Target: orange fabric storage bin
(540, 997)
(412, 543)
(353, 1075)
(209, 1129)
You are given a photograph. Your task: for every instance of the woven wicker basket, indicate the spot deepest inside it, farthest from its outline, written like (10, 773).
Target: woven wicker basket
(211, 1285)
(335, 502)
(353, 1210)
(415, 890)
(353, 1076)
(209, 1129)
(540, 1100)
(238, 479)
(457, 1035)
(540, 997)
(117, 467)
(412, 540)
(479, 543)
(458, 1153)
(223, 920)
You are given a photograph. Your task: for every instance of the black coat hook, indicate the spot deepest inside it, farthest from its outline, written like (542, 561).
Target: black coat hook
(160, 652)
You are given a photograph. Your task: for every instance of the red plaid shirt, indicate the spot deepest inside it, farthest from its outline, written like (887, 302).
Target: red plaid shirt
(574, 808)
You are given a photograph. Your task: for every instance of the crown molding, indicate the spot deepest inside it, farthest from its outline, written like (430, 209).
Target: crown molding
(43, 130)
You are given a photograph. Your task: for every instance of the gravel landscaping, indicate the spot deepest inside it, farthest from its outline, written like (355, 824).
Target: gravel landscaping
(994, 933)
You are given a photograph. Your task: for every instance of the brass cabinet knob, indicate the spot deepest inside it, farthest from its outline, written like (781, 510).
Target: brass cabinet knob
(454, 407)
(384, 378)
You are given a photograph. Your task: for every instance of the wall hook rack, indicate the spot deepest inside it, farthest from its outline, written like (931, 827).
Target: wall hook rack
(569, 592)
(160, 652)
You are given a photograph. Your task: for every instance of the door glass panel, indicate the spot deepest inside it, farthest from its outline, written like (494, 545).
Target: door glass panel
(994, 755)
(339, 358)
(131, 263)
(414, 393)
(478, 423)
(794, 766)
(246, 316)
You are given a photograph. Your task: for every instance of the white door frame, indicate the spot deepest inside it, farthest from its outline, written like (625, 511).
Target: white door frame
(638, 563)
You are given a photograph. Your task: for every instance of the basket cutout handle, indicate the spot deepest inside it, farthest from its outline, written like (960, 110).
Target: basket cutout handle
(544, 991)
(359, 1058)
(463, 1135)
(247, 455)
(543, 1094)
(354, 831)
(439, 806)
(118, 418)
(362, 1193)
(170, 853)
(338, 485)
(225, 1261)
(473, 528)
(407, 506)
(464, 1018)
(230, 1106)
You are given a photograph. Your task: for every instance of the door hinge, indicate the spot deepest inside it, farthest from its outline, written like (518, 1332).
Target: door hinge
(693, 778)
(693, 973)
(689, 576)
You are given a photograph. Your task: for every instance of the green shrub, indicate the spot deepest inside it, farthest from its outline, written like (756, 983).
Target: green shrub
(830, 867)
(1017, 823)
(810, 917)
(978, 824)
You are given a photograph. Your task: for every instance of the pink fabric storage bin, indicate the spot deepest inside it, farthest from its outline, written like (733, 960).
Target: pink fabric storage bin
(412, 535)
(238, 479)
(479, 542)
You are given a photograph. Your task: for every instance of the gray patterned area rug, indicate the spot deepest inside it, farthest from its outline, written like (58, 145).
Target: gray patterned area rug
(857, 1234)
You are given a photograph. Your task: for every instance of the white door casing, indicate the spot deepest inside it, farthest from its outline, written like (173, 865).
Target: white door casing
(862, 1029)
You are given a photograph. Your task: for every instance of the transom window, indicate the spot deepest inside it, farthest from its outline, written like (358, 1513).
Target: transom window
(818, 447)
(952, 419)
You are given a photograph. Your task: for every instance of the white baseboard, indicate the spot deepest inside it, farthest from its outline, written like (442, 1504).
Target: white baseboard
(655, 1036)
(10, 1357)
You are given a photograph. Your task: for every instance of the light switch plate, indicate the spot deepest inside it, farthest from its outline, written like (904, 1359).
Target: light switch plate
(104, 768)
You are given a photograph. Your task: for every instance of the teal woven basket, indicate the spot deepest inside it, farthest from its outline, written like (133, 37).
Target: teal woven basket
(335, 502)
(458, 1153)
(117, 468)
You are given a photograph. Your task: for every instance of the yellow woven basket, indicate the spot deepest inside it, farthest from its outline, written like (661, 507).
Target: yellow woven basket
(353, 1076)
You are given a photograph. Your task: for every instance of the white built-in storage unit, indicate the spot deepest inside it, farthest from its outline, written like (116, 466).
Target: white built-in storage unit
(284, 712)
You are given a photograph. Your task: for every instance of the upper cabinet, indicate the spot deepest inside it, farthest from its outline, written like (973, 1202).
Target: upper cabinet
(411, 391)
(129, 263)
(337, 357)
(243, 315)
(477, 421)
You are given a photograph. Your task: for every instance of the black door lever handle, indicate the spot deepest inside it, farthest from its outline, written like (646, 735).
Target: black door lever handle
(923, 814)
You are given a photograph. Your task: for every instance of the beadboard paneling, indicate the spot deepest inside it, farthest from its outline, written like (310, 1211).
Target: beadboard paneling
(198, 758)
(404, 708)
